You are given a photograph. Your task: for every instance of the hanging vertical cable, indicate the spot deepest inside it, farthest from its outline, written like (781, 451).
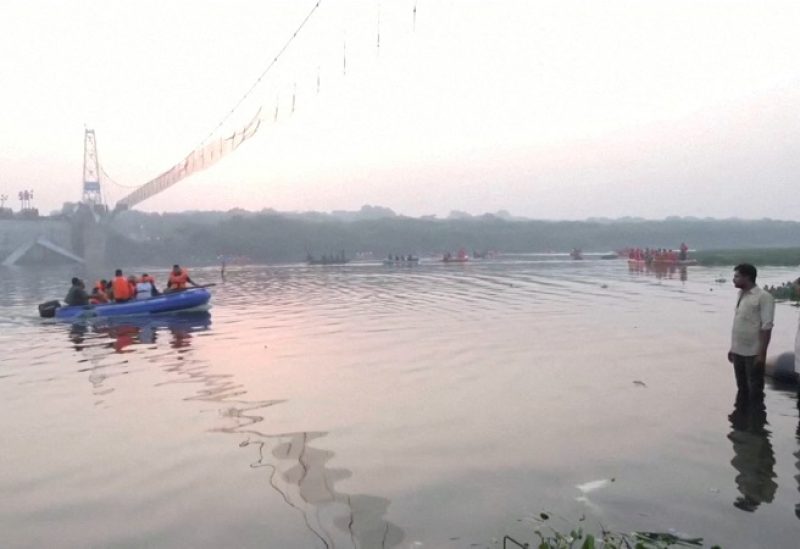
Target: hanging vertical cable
(378, 43)
(414, 18)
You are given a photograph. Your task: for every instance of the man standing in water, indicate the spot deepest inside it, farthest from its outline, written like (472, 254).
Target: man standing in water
(752, 329)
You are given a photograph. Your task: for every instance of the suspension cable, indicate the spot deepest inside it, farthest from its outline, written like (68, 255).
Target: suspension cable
(263, 74)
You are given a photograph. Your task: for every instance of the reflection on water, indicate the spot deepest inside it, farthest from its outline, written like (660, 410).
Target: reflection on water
(660, 270)
(297, 470)
(127, 331)
(797, 458)
(753, 459)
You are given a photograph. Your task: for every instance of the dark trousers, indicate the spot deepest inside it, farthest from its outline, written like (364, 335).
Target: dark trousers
(749, 376)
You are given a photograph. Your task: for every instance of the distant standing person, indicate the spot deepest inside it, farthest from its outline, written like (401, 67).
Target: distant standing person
(178, 279)
(752, 330)
(684, 255)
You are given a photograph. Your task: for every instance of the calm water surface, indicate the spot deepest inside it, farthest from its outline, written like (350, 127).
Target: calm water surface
(367, 406)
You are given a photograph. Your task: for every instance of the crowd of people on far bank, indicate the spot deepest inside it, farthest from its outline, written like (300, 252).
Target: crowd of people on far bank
(121, 288)
(658, 255)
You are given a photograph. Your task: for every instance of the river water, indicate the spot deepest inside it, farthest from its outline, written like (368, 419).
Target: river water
(365, 406)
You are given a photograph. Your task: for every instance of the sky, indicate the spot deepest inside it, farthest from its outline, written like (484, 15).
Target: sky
(549, 110)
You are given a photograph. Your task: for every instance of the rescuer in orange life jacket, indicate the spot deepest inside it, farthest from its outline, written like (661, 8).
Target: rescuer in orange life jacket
(121, 287)
(178, 279)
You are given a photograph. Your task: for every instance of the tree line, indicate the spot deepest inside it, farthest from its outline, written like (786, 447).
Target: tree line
(272, 237)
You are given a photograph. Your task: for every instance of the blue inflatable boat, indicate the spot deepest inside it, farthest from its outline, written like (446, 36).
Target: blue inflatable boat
(193, 299)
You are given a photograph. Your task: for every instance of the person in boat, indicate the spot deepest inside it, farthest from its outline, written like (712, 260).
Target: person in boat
(752, 329)
(101, 286)
(132, 283)
(146, 287)
(102, 291)
(77, 293)
(97, 297)
(121, 288)
(178, 279)
(684, 254)
(107, 287)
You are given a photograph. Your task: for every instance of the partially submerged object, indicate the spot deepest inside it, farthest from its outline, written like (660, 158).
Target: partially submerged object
(338, 259)
(402, 261)
(781, 368)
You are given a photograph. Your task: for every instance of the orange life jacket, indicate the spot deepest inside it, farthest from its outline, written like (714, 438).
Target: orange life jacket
(122, 289)
(178, 281)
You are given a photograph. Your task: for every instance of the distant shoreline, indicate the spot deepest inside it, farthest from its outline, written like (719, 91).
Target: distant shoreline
(776, 257)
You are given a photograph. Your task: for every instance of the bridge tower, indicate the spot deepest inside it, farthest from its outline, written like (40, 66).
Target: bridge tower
(92, 195)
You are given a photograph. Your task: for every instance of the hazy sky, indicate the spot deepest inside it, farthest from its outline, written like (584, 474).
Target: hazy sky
(554, 109)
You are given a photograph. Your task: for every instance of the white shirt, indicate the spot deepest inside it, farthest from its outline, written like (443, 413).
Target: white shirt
(144, 290)
(755, 311)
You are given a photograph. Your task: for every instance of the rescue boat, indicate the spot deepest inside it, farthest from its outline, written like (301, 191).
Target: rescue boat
(189, 300)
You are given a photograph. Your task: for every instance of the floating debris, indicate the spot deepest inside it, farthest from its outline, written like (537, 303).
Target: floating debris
(670, 538)
(594, 485)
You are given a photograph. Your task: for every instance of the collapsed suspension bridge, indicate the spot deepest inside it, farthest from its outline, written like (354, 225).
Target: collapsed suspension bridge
(77, 239)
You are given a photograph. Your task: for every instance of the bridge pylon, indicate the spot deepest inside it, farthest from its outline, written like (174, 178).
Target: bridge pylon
(92, 194)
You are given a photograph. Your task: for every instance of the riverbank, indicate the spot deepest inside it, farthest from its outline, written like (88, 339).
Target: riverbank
(779, 257)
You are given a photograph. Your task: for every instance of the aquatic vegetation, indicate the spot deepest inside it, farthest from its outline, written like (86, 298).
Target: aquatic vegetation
(578, 539)
(786, 291)
(553, 537)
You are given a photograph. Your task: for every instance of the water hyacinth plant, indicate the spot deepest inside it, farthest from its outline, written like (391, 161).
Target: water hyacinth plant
(550, 537)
